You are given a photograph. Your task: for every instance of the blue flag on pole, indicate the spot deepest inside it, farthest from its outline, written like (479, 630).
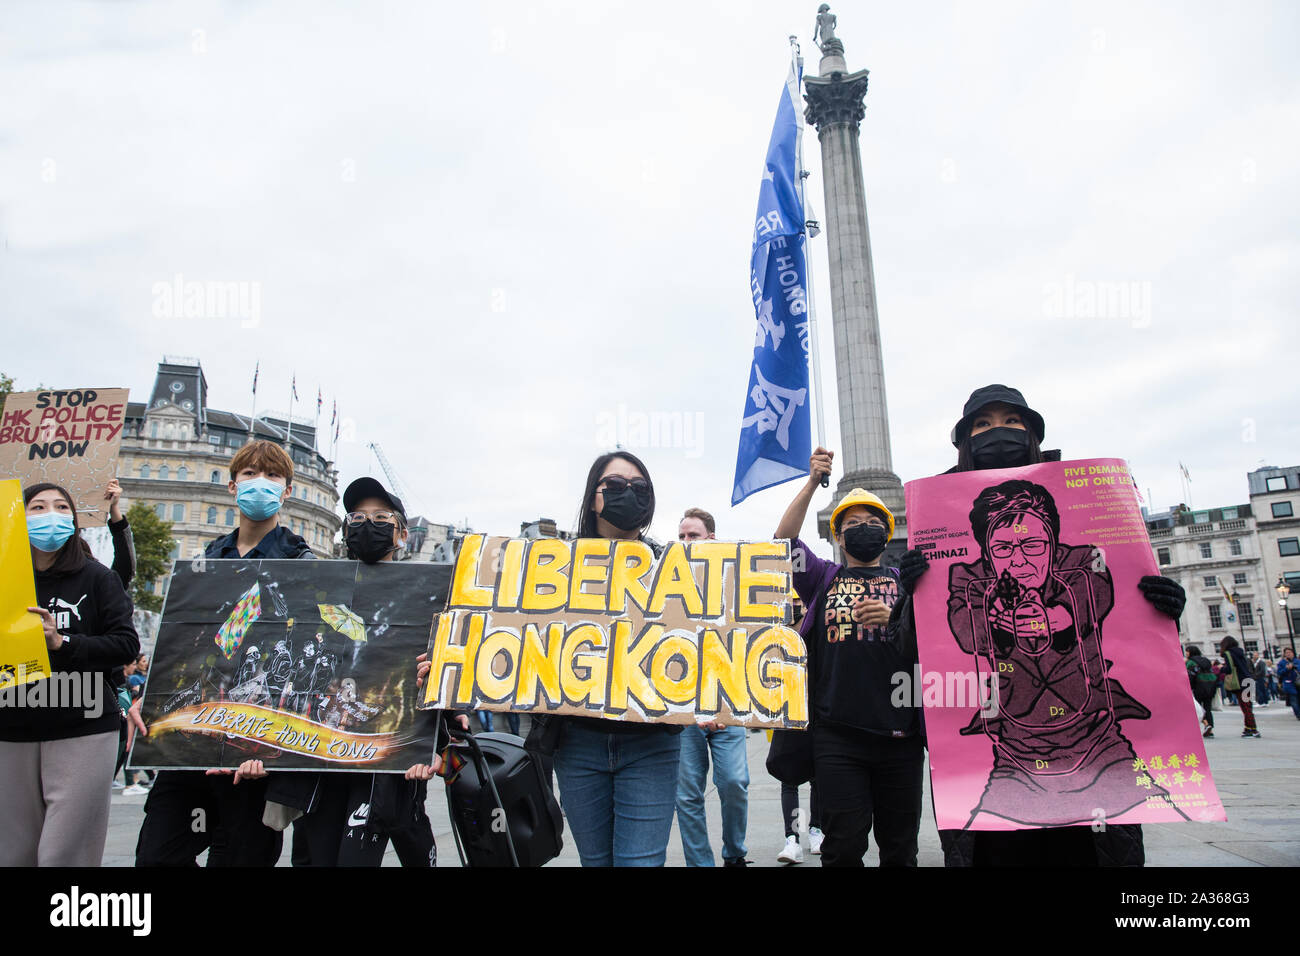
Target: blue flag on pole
(775, 433)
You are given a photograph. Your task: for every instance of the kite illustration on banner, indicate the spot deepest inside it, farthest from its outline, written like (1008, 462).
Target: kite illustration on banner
(344, 621)
(247, 610)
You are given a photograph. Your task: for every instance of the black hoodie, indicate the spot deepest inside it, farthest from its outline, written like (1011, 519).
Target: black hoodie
(92, 609)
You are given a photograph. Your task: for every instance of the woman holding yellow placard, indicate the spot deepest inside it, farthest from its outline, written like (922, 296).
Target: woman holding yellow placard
(58, 735)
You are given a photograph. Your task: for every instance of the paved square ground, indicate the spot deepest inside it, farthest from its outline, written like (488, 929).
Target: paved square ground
(1258, 779)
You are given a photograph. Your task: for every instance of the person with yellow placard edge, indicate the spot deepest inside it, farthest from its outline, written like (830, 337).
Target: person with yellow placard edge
(867, 753)
(57, 750)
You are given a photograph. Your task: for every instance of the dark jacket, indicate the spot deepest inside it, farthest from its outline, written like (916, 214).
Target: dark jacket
(123, 550)
(279, 542)
(94, 612)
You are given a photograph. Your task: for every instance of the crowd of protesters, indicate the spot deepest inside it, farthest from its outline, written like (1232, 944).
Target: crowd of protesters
(620, 784)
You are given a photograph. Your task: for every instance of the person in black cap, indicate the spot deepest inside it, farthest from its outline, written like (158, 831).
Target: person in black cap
(998, 429)
(348, 818)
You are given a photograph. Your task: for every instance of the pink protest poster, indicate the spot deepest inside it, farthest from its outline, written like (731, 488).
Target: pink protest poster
(1055, 694)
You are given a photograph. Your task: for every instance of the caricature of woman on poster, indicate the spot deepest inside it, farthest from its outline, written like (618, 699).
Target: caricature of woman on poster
(1031, 611)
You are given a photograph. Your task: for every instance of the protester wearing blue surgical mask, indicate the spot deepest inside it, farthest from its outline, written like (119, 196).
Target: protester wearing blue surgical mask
(57, 754)
(261, 478)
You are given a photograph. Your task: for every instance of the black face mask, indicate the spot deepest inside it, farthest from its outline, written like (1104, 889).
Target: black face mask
(1000, 447)
(369, 542)
(865, 542)
(625, 510)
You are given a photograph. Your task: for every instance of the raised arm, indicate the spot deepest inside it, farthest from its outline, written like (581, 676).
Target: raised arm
(819, 464)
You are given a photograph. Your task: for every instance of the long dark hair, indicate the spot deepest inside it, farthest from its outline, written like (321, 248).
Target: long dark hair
(1227, 644)
(70, 558)
(587, 516)
(966, 461)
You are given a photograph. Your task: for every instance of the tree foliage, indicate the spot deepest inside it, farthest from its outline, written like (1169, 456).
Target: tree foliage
(153, 548)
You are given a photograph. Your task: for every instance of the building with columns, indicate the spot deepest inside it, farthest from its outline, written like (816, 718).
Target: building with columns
(1275, 498)
(836, 101)
(176, 454)
(1215, 555)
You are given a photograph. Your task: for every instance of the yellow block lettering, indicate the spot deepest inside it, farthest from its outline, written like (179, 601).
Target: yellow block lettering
(582, 673)
(448, 655)
(722, 672)
(778, 684)
(494, 687)
(632, 559)
(627, 676)
(464, 591)
(546, 586)
(676, 647)
(539, 664)
(715, 555)
(748, 580)
(512, 568)
(675, 579)
(584, 573)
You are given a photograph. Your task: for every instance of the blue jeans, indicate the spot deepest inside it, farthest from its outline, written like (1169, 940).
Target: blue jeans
(617, 791)
(730, 776)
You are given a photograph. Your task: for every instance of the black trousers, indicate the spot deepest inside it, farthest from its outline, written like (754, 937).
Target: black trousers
(188, 812)
(866, 780)
(355, 816)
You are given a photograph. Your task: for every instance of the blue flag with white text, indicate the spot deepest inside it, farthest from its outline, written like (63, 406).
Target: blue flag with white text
(776, 431)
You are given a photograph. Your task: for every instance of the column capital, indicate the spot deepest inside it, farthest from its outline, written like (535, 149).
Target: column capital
(838, 99)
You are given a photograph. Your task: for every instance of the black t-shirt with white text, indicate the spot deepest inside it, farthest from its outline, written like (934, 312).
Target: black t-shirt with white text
(854, 665)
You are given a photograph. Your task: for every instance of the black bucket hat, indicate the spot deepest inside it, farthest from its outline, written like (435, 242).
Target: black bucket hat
(989, 395)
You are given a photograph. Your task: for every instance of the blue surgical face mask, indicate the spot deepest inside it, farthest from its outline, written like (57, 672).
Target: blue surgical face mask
(49, 530)
(258, 498)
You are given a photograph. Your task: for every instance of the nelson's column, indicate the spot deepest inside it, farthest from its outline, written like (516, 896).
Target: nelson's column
(836, 107)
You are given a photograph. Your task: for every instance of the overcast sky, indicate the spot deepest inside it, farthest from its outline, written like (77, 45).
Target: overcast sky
(495, 231)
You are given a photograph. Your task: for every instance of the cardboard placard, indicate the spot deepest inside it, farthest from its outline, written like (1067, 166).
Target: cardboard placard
(70, 437)
(602, 628)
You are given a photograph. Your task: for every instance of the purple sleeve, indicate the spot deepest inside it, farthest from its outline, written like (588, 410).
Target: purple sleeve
(809, 571)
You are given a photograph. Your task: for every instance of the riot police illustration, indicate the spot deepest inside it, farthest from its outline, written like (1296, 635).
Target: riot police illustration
(1030, 610)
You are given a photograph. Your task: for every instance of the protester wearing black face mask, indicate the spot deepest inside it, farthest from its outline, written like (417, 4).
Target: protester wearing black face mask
(867, 752)
(998, 429)
(348, 818)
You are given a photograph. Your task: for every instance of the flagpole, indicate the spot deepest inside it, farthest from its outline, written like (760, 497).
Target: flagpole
(814, 355)
(288, 439)
(253, 417)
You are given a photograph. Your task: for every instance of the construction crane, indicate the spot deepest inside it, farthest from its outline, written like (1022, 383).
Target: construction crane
(394, 482)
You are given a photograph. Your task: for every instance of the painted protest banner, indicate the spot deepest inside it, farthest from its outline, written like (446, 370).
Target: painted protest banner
(1032, 594)
(603, 628)
(24, 656)
(305, 665)
(70, 437)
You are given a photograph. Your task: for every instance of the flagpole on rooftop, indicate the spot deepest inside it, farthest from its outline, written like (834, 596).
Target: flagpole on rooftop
(811, 229)
(253, 417)
(288, 438)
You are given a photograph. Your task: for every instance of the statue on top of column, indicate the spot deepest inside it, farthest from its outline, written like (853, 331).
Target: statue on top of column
(824, 33)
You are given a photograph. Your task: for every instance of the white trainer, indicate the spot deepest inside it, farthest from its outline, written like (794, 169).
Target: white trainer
(135, 790)
(815, 838)
(792, 852)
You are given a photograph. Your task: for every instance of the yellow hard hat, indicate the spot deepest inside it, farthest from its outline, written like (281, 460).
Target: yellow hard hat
(860, 496)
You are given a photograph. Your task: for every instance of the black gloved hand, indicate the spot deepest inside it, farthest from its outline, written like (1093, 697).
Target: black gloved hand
(1166, 595)
(911, 566)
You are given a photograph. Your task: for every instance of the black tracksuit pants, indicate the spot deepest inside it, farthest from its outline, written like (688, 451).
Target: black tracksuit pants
(188, 812)
(867, 780)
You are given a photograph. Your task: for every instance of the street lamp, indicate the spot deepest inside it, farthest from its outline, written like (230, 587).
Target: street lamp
(1241, 627)
(1284, 592)
(1268, 650)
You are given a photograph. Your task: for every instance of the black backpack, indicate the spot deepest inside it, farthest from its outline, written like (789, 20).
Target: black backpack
(503, 809)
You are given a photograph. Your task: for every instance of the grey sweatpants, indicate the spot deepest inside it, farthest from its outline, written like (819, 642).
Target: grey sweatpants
(54, 800)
